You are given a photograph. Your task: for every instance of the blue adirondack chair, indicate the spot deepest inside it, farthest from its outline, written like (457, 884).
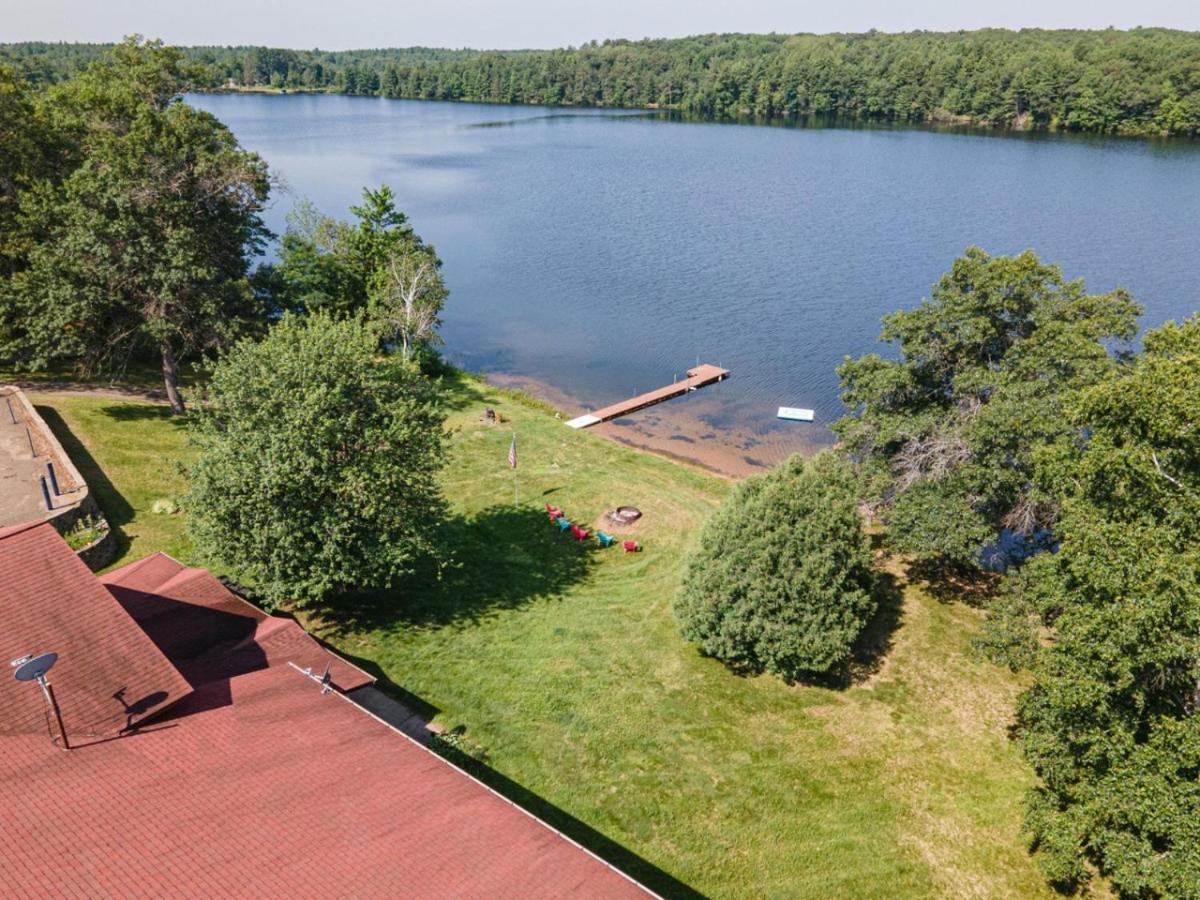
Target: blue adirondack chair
(606, 540)
(564, 524)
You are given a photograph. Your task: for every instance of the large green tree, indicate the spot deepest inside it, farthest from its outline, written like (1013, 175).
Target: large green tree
(331, 265)
(945, 435)
(145, 237)
(1110, 722)
(782, 578)
(375, 265)
(26, 154)
(317, 462)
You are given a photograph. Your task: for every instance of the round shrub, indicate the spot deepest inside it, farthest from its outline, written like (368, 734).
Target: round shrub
(782, 580)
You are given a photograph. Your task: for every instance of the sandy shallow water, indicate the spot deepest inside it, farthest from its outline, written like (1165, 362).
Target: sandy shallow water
(681, 429)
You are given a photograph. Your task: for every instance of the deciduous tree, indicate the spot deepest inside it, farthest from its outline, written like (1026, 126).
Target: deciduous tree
(1110, 723)
(147, 238)
(945, 435)
(327, 264)
(407, 294)
(317, 462)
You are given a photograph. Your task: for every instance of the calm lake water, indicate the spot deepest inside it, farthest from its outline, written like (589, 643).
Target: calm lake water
(595, 254)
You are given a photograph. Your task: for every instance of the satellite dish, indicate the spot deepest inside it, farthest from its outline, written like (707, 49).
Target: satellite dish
(35, 667)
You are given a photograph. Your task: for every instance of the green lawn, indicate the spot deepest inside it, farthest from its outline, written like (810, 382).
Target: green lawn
(565, 663)
(129, 452)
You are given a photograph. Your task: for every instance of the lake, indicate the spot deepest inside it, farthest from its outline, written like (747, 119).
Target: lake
(595, 254)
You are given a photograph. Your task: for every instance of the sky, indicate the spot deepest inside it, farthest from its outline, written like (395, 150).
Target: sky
(302, 24)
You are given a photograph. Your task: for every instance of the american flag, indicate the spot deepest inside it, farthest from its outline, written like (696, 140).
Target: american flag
(512, 452)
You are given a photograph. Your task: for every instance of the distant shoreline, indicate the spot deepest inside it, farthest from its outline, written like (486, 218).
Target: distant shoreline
(940, 124)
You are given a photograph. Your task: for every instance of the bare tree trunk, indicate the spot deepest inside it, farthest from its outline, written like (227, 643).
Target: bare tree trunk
(171, 378)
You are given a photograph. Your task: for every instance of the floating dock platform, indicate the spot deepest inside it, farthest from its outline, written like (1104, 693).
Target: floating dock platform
(696, 378)
(795, 414)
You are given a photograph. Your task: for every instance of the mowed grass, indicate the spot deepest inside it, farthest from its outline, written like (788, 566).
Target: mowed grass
(130, 453)
(565, 663)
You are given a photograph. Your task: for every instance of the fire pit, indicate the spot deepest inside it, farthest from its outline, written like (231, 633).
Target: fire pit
(623, 516)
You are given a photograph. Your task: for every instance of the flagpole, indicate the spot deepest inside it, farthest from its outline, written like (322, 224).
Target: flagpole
(512, 460)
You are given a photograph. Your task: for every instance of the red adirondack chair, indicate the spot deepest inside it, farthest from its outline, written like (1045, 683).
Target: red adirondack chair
(553, 512)
(631, 546)
(581, 534)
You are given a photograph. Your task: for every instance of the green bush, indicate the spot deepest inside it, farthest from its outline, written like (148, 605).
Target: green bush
(317, 463)
(84, 531)
(782, 581)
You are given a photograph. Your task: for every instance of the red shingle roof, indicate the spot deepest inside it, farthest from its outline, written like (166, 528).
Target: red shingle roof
(254, 784)
(50, 601)
(209, 632)
(275, 790)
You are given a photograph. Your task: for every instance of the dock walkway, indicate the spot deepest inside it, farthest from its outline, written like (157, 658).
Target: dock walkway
(696, 378)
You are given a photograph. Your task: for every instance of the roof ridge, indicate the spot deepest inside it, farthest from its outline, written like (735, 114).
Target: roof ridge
(269, 624)
(183, 576)
(117, 576)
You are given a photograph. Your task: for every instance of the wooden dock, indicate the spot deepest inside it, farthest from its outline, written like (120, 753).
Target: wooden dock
(696, 378)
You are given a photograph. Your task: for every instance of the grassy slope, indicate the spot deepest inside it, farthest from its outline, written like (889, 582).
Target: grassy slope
(566, 664)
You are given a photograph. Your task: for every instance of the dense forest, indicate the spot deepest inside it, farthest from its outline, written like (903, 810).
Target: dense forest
(1144, 81)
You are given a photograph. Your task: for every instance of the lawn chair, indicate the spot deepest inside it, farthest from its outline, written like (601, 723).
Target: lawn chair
(564, 524)
(631, 546)
(580, 534)
(606, 540)
(553, 512)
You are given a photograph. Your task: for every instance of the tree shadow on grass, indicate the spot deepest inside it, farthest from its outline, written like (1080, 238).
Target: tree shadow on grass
(949, 583)
(143, 412)
(500, 558)
(459, 392)
(113, 504)
(873, 645)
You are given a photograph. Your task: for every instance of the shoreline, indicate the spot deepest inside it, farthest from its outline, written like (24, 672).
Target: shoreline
(937, 122)
(676, 431)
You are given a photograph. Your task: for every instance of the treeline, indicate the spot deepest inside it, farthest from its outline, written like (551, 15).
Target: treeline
(1144, 81)
(215, 67)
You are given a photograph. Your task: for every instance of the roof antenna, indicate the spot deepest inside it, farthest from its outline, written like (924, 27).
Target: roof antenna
(34, 668)
(325, 679)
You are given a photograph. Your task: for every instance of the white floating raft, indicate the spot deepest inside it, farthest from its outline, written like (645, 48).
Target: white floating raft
(795, 414)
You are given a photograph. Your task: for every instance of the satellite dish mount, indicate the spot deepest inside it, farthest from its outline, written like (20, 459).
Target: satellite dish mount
(34, 668)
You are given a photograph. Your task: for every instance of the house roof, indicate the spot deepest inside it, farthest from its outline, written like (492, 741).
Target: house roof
(209, 632)
(254, 783)
(109, 674)
(264, 786)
